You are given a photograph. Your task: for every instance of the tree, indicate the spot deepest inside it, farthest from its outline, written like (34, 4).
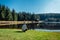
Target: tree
(3, 12)
(15, 16)
(8, 15)
(33, 17)
(0, 12)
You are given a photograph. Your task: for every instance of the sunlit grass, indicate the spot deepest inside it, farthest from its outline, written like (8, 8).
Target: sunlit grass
(17, 34)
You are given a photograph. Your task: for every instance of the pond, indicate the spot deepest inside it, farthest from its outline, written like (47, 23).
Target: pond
(40, 26)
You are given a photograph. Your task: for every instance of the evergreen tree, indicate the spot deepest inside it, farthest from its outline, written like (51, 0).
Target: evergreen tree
(0, 12)
(8, 14)
(3, 12)
(15, 16)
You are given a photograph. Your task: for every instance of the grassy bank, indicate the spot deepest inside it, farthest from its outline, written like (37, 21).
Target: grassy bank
(17, 34)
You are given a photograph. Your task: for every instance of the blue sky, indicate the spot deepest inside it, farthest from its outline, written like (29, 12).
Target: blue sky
(34, 6)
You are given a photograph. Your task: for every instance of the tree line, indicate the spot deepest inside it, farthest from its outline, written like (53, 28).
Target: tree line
(7, 15)
(11, 15)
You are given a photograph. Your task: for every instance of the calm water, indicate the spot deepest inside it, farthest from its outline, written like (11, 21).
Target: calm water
(52, 27)
(47, 30)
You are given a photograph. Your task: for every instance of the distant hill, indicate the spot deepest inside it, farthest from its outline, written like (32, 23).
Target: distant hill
(50, 16)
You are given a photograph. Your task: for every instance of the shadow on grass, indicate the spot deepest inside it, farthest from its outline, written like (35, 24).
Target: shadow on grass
(19, 31)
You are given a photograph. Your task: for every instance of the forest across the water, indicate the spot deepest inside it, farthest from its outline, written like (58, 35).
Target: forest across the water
(11, 15)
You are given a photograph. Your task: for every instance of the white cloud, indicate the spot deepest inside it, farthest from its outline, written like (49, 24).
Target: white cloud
(52, 7)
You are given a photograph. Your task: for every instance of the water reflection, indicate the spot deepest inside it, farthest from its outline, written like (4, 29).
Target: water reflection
(35, 26)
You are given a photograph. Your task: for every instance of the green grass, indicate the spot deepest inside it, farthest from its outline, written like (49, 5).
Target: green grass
(17, 34)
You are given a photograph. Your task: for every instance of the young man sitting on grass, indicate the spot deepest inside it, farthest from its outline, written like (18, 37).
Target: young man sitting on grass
(24, 27)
